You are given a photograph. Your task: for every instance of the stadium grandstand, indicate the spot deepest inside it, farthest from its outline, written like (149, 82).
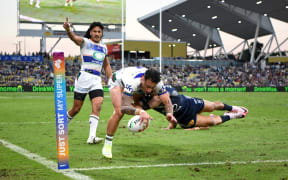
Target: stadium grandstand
(36, 70)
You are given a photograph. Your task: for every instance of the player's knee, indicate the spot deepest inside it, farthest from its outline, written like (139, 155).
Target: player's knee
(118, 112)
(96, 110)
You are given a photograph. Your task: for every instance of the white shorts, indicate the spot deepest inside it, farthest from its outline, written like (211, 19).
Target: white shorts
(112, 84)
(87, 82)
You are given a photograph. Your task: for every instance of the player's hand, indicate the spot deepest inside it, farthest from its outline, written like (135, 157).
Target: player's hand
(171, 118)
(197, 128)
(171, 126)
(66, 25)
(145, 117)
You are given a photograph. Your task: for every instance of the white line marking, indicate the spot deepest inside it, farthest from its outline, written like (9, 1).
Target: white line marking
(48, 163)
(180, 164)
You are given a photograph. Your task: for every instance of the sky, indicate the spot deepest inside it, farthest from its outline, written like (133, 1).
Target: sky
(134, 30)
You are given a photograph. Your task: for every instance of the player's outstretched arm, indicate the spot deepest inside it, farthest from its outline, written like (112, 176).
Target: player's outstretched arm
(172, 125)
(165, 99)
(76, 39)
(196, 128)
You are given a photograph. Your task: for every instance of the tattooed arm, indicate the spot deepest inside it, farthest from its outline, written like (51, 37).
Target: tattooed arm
(127, 108)
(165, 99)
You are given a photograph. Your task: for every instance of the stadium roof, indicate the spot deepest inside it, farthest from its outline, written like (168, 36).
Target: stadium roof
(179, 30)
(274, 8)
(192, 20)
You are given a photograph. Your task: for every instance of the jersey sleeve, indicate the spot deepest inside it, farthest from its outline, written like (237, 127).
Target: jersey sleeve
(160, 89)
(85, 42)
(106, 49)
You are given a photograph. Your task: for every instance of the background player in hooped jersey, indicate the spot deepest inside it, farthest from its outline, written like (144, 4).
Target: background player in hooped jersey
(187, 110)
(93, 54)
(126, 86)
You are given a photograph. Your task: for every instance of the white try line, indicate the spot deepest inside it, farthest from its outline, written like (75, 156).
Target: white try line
(180, 164)
(48, 163)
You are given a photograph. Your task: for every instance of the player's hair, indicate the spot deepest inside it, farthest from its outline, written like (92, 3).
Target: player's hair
(92, 25)
(153, 75)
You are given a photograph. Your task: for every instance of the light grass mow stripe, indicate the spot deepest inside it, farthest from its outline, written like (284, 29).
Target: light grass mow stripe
(36, 97)
(50, 122)
(48, 163)
(180, 164)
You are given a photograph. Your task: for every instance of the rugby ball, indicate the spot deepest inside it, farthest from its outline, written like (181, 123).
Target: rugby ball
(135, 126)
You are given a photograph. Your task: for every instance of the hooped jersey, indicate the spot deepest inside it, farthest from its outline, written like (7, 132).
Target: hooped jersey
(130, 79)
(93, 55)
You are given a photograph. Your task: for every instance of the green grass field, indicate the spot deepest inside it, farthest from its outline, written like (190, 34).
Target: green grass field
(82, 11)
(27, 120)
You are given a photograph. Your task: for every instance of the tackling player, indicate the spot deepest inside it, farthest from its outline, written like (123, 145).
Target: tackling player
(94, 55)
(126, 86)
(187, 110)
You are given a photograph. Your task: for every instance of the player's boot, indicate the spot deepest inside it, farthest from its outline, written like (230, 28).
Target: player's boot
(235, 115)
(66, 4)
(94, 140)
(241, 109)
(31, 2)
(107, 151)
(37, 6)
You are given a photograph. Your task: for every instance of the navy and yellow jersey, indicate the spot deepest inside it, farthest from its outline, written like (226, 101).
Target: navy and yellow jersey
(185, 108)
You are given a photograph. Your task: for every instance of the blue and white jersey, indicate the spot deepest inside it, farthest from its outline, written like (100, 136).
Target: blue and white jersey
(93, 55)
(130, 80)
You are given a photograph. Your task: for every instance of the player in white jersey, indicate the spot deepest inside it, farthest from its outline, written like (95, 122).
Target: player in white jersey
(128, 85)
(94, 55)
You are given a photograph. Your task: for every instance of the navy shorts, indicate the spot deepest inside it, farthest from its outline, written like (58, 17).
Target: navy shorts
(187, 117)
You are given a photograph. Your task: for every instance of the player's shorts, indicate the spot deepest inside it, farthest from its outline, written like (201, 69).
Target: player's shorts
(187, 118)
(87, 82)
(113, 81)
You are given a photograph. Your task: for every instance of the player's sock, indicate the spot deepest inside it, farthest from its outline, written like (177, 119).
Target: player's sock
(227, 107)
(108, 140)
(93, 120)
(69, 118)
(107, 148)
(225, 118)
